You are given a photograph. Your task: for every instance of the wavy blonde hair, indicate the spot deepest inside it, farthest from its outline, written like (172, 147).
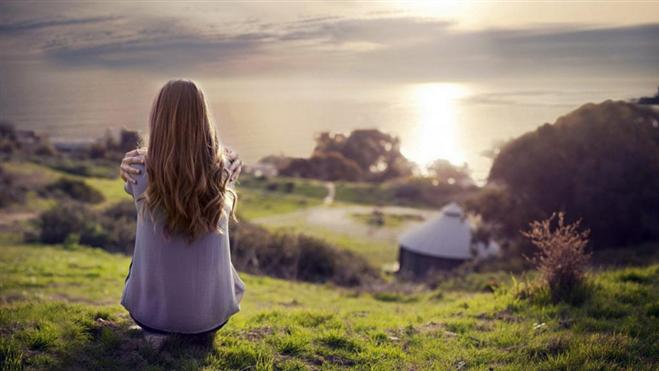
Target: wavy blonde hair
(185, 163)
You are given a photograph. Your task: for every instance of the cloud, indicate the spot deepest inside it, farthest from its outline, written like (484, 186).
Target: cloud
(381, 47)
(31, 25)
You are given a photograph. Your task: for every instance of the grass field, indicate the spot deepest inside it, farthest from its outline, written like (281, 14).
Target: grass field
(39, 175)
(58, 309)
(255, 200)
(378, 253)
(255, 203)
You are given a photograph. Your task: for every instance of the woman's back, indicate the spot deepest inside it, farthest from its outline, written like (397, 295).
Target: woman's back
(175, 285)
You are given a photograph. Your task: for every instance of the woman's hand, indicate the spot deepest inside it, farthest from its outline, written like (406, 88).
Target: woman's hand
(235, 164)
(126, 171)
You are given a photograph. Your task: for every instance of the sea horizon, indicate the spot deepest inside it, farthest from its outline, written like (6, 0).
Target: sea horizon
(459, 122)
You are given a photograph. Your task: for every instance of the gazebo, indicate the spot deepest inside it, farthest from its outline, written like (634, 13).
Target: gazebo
(441, 243)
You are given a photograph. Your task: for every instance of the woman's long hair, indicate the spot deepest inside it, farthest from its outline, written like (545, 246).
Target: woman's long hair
(187, 178)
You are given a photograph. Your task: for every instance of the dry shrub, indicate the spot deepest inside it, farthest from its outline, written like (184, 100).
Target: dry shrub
(561, 258)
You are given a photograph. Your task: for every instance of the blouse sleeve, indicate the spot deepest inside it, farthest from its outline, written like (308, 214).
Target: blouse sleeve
(136, 189)
(128, 188)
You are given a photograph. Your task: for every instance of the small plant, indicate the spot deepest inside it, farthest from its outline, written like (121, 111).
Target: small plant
(562, 257)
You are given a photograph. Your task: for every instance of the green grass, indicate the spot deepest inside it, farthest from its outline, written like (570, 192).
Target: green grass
(376, 252)
(365, 193)
(254, 204)
(112, 190)
(40, 175)
(386, 219)
(287, 185)
(58, 311)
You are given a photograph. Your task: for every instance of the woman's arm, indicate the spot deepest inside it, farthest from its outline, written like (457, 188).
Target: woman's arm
(137, 156)
(126, 170)
(235, 164)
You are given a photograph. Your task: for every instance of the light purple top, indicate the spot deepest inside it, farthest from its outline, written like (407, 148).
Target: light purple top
(176, 286)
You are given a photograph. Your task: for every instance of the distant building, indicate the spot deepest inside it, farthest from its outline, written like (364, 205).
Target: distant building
(261, 169)
(442, 243)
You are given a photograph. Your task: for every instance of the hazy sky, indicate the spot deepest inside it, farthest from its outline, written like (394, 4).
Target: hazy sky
(452, 79)
(379, 41)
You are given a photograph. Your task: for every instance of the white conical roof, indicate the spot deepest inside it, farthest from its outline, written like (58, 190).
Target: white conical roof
(448, 235)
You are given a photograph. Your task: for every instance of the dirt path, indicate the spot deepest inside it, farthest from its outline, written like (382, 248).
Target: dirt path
(339, 219)
(9, 220)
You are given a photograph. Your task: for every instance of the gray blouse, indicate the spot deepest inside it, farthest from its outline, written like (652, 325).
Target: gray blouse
(176, 286)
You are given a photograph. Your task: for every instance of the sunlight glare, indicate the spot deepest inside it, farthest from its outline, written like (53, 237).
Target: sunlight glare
(435, 131)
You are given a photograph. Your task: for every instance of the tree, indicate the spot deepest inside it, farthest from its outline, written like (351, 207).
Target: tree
(128, 140)
(599, 163)
(377, 154)
(444, 171)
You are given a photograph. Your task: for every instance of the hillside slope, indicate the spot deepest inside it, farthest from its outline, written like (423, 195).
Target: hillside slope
(58, 309)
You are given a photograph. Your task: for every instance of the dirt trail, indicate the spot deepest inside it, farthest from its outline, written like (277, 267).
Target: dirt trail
(338, 219)
(9, 220)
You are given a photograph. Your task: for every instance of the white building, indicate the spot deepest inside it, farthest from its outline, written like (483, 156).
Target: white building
(441, 243)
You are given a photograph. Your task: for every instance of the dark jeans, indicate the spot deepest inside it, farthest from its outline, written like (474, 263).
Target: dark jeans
(156, 331)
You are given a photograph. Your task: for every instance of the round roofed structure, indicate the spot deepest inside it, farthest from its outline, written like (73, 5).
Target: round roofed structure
(441, 243)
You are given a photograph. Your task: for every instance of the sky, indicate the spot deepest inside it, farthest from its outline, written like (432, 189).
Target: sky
(374, 41)
(449, 77)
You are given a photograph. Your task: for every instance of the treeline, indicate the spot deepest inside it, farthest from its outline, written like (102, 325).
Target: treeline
(364, 155)
(98, 158)
(599, 163)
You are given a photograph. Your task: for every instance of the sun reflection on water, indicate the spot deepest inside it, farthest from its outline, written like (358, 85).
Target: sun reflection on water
(435, 129)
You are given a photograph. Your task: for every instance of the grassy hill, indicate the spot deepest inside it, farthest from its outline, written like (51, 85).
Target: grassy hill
(58, 309)
(257, 199)
(59, 306)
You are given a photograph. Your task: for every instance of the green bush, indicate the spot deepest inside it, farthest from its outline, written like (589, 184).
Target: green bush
(112, 229)
(75, 189)
(57, 223)
(94, 167)
(10, 192)
(253, 248)
(295, 256)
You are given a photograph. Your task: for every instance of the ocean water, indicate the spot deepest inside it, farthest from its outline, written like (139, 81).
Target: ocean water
(459, 121)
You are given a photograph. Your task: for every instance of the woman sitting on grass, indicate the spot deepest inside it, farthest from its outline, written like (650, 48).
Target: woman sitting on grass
(181, 279)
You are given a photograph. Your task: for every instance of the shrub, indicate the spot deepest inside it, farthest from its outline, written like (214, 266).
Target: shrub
(75, 189)
(295, 256)
(10, 192)
(112, 230)
(424, 191)
(57, 223)
(254, 249)
(122, 210)
(561, 257)
(88, 167)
